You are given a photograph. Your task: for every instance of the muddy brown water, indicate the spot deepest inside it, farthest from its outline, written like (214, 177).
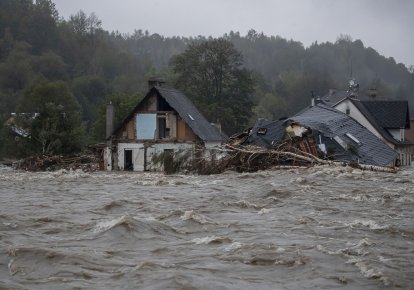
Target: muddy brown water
(318, 228)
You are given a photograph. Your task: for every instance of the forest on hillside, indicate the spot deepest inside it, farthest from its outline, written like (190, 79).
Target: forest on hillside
(50, 64)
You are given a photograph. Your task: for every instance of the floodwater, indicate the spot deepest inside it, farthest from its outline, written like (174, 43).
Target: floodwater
(318, 228)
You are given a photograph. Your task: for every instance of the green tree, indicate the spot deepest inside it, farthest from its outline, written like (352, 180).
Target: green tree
(212, 74)
(271, 107)
(89, 91)
(57, 126)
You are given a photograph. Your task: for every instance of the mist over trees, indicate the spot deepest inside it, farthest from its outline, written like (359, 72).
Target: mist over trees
(39, 49)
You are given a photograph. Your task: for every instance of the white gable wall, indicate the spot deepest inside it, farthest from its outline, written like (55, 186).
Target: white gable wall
(397, 134)
(360, 118)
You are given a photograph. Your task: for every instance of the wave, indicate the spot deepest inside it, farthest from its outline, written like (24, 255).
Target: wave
(355, 254)
(211, 240)
(192, 215)
(135, 225)
(370, 224)
(242, 204)
(264, 211)
(368, 272)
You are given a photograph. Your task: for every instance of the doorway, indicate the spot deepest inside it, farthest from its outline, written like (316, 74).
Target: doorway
(128, 165)
(169, 161)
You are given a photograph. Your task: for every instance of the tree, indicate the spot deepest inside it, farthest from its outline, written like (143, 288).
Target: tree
(56, 127)
(89, 91)
(212, 74)
(271, 107)
(83, 24)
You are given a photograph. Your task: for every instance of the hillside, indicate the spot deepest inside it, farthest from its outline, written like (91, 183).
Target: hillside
(97, 65)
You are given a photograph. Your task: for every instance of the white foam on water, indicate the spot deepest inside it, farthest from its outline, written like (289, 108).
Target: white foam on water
(362, 243)
(12, 269)
(104, 226)
(210, 239)
(192, 215)
(233, 246)
(280, 250)
(369, 224)
(368, 272)
(264, 211)
(245, 204)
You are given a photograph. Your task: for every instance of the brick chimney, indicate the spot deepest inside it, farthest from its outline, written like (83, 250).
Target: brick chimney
(155, 82)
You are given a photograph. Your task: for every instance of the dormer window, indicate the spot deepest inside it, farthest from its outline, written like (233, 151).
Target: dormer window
(353, 138)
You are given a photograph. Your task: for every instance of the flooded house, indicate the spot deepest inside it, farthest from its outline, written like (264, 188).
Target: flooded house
(388, 120)
(164, 125)
(323, 131)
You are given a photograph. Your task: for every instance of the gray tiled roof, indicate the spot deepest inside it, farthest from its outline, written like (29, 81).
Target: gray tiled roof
(274, 133)
(190, 114)
(336, 96)
(333, 123)
(380, 110)
(389, 114)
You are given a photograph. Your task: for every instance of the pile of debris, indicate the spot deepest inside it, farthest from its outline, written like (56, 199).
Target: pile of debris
(83, 161)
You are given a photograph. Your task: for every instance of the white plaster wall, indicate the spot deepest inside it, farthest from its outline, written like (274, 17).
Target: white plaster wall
(396, 133)
(107, 159)
(360, 118)
(128, 146)
(156, 149)
(138, 159)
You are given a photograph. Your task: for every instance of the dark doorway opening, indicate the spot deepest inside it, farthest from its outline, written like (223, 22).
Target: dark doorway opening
(162, 127)
(128, 165)
(169, 161)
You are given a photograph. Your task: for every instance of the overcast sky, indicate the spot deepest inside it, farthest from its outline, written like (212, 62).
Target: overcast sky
(385, 25)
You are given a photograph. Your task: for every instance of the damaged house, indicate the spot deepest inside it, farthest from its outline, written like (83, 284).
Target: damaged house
(323, 131)
(163, 125)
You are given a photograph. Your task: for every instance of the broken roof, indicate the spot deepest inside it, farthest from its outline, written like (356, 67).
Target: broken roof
(266, 133)
(364, 146)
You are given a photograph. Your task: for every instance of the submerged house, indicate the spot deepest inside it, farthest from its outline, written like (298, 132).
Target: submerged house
(165, 123)
(323, 131)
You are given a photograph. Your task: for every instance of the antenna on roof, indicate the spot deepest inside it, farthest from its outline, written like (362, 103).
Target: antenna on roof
(312, 99)
(353, 88)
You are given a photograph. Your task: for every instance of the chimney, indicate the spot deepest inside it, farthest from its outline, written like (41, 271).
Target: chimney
(155, 82)
(109, 120)
(318, 100)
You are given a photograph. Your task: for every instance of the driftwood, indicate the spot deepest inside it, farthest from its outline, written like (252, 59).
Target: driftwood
(250, 158)
(83, 161)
